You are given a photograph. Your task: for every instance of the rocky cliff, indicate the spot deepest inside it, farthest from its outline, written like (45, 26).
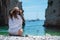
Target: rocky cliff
(52, 14)
(5, 6)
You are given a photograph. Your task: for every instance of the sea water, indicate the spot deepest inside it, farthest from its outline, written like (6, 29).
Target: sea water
(34, 28)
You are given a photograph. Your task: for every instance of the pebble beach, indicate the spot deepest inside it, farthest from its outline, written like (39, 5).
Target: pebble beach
(46, 37)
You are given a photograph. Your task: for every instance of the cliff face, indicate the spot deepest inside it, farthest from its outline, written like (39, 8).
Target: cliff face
(52, 14)
(5, 6)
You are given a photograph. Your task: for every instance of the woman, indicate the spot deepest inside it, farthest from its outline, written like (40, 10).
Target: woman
(21, 14)
(15, 23)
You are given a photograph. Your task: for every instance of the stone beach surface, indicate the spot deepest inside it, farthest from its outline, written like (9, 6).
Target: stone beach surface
(46, 37)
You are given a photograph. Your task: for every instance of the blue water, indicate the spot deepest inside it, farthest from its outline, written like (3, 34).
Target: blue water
(34, 28)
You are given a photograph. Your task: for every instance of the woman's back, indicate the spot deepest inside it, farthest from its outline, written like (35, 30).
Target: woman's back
(15, 23)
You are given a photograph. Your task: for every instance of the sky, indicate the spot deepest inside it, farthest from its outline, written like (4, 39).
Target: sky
(34, 9)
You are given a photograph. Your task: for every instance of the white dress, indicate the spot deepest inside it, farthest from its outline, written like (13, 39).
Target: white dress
(15, 24)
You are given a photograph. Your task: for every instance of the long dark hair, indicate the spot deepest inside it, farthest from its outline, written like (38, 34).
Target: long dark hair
(22, 18)
(13, 14)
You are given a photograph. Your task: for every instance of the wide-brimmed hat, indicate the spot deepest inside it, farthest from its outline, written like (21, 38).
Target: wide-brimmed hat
(15, 8)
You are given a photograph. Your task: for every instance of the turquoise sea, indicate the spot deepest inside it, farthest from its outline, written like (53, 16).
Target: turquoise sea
(34, 28)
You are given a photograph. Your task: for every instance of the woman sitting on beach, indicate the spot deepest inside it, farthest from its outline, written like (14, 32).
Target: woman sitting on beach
(15, 22)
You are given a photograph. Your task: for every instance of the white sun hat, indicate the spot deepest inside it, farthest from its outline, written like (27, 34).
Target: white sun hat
(15, 8)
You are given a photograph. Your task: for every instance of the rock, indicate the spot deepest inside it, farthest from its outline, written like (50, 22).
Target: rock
(52, 13)
(5, 6)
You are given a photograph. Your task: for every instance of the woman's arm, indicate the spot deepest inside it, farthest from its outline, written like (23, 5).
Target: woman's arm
(21, 14)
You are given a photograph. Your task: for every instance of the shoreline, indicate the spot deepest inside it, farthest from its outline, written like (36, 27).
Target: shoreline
(30, 37)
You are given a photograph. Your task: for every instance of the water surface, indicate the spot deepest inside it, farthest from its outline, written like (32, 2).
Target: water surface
(34, 28)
